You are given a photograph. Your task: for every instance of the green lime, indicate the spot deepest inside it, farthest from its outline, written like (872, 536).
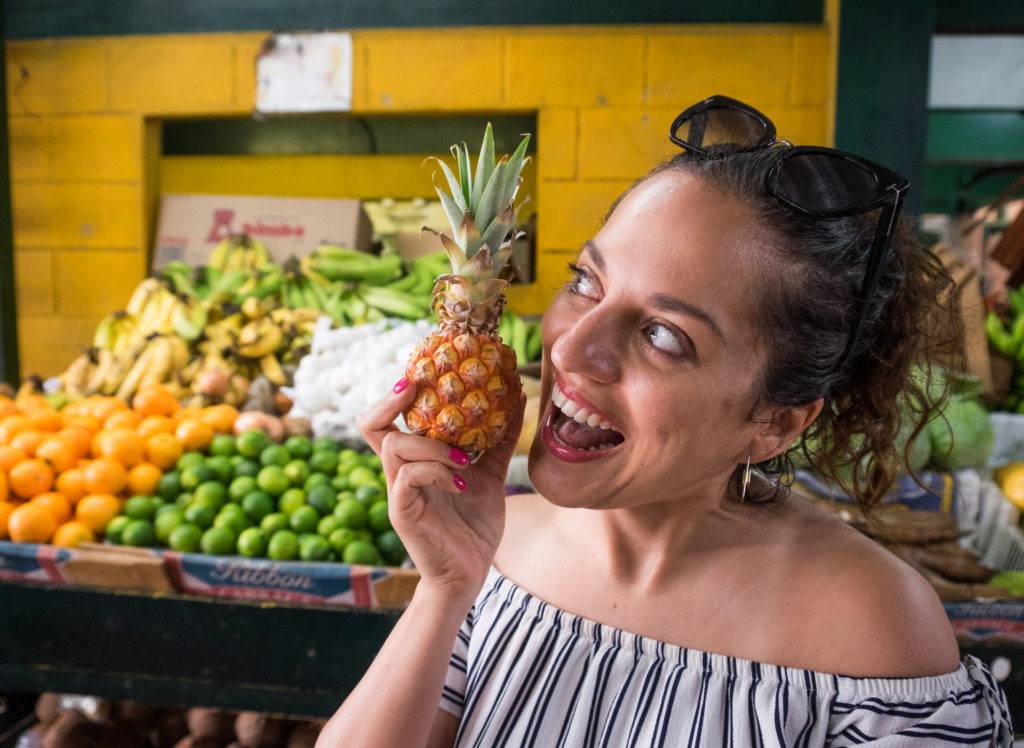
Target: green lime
(115, 527)
(370, 495)
(257, 505)
(297, 472)
(189, 459)
(165, 523)
(342, 496)
(339, 482)
(273, 480)
(251, 443)
(252, 542)
(222, 468)
(169, 486)
(212, 492)
(283, 545)
(373, 462)
(314, 548)
(348, 455)
(341, 538)
(291, 500)
(316, 479)
(245, 466)
(299, 447)
(241, 487)
(218, 541)
(362, 476)
(275, 454)
(139, 507)
(200, 513)
(304, 519)
(185, 538)
(234, 522)
(167, 509)
(391, 547)
(327, 525)
(138, 532)
(378, 517)
(157, 503)
(223, 445)
(364, 535)
(325, 444)
(322, 498)
(193, 475)
(350, 513)
(274, 522)
(323, 462)
(184, 499)
(362, 552)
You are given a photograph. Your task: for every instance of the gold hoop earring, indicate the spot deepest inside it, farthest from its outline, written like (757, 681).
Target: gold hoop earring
(746, 480)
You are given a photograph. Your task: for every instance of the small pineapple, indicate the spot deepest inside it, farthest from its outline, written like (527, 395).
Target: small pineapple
(466, 377)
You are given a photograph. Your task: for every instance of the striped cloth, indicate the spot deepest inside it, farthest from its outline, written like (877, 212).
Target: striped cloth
(524, 673)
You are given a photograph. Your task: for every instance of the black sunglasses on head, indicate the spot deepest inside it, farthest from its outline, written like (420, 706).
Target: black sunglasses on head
(815, 181)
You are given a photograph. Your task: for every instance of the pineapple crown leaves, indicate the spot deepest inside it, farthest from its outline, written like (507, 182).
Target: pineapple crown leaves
(480, 208)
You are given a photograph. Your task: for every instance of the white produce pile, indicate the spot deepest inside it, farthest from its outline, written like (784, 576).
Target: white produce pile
(348, 369)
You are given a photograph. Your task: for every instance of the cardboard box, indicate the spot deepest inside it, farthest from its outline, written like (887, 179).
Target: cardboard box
(190, 226)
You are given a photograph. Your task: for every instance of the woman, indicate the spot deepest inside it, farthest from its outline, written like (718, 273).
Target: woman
(651, 593)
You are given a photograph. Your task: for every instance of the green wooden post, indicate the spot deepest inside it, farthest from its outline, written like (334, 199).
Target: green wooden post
(8, 311)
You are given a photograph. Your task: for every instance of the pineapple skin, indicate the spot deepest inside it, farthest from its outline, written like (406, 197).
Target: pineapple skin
(467, 389)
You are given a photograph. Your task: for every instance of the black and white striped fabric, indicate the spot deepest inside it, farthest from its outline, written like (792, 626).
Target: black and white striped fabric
(524, 673)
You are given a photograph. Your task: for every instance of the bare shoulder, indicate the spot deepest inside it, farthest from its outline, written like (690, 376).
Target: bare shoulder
(872, 614)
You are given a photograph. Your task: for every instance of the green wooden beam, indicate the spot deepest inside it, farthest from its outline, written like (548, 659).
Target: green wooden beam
(9, 369)
(42, 18)
(975, 136)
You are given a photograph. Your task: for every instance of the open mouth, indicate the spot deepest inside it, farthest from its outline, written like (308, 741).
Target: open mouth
(574, 432)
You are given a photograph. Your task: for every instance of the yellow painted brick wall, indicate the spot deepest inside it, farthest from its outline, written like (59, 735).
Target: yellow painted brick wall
(86, 171)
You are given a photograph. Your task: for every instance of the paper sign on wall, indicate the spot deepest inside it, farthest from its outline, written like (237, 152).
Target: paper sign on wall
(305, 73)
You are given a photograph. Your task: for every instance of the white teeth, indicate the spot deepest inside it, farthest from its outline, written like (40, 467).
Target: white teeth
(570, 408)
(605, 425)
(593, 420)
(575, 412)
(581, 415)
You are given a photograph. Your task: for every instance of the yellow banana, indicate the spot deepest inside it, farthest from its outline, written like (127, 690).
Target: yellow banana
(162, 363)
(76, 377)
(104, 360)
(138, 370)
(259, 338)
(271, 369)
(141, 295)
(179, 351)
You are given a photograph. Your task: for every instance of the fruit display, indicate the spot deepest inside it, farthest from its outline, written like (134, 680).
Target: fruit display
(247, 495)
(65, 474)
(1007, 337)
(466, 376)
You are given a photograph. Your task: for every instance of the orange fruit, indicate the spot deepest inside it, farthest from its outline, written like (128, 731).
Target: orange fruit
(143, 479)
(105, 476)
(220, 417)
(11, 426)
(122, 419)
(4, 488)
(123, 445)
(155, 401)
(10, 456)
(56, 504)
(86, 422)
(45, 419)
(29, 403)
(30, 478)
(71, 483)
(6, 507)
(194, 434)
(72, 534)
(78, 437)
(163, 450)
(58, 452)
(155, 425)
(192, 411)
(28, 441)
(104, 406)
(96, 510)
(31, 523)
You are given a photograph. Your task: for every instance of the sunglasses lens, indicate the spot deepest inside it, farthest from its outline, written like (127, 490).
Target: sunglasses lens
(721, 127)
(825, 181)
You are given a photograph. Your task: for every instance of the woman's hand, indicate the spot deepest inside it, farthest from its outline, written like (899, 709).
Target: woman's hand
(449, 513)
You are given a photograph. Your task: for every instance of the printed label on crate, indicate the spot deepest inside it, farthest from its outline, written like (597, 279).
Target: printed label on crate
(1001, 620)
(258, 579)
(28, 562)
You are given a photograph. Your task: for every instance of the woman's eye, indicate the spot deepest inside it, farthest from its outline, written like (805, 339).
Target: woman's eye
(582, 283)
(665, 340)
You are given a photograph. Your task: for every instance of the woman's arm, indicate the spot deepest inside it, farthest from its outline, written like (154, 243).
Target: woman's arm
(395, 704)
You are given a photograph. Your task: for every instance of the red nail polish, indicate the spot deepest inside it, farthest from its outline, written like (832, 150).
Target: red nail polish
(458, 456)
(459, 482)
(400, 385)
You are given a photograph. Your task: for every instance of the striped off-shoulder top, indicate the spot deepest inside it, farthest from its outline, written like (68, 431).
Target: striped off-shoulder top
(524, 673)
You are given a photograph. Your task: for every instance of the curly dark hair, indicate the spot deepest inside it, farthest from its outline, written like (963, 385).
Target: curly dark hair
(809, 303)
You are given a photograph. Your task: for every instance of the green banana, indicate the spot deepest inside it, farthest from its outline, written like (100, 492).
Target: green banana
(518, 338)
(393, 303)
(533, 342)
(368, 268)
(405, 283)
(999, 336)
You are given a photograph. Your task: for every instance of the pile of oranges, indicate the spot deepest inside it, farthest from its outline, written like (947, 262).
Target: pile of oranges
(65, 474)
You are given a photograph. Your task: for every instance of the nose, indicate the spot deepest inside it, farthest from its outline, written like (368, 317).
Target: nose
(588, 347)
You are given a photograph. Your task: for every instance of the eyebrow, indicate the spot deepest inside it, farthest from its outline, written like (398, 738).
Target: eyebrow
(662, 301)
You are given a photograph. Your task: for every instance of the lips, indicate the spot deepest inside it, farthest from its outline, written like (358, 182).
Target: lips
(574, 430)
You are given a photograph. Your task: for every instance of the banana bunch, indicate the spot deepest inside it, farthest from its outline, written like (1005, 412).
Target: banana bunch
(341, 264)
(238, 252)
(116, 333)
(522, 335)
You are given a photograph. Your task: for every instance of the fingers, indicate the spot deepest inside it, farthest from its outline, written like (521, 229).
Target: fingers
(410, 480)
(398, 448)
(495, 461)
(379, 420)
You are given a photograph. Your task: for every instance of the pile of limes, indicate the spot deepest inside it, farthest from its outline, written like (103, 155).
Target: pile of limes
(305, 499)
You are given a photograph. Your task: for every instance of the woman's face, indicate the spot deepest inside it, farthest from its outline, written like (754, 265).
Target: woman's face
(656, 338)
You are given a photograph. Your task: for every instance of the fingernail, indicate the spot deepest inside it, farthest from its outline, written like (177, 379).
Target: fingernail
(459, 482)
(400, 385)
(458, 456)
